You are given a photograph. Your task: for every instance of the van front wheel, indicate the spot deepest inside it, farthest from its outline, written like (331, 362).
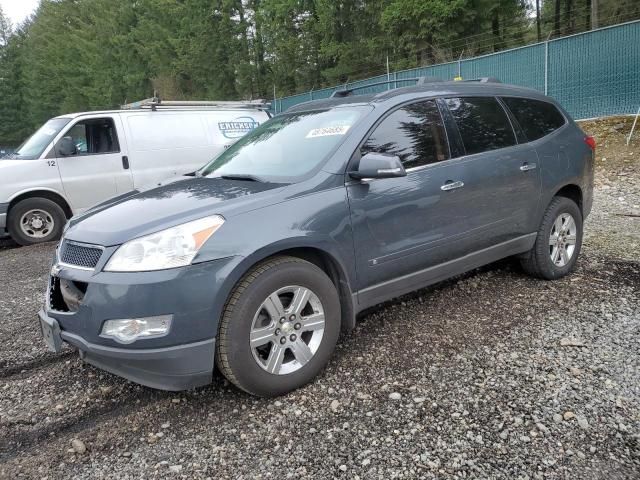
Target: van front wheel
(35, 220)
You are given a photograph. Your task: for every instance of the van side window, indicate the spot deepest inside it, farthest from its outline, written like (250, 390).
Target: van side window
(415, 133)
(536, 118)
(94, 136)
(482, 122)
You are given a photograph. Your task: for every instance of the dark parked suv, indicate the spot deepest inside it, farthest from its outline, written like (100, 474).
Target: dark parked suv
(256, 262)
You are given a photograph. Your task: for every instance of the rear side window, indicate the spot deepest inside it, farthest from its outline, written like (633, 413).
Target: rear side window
(482, 122)
(415, 133)
(536, 118)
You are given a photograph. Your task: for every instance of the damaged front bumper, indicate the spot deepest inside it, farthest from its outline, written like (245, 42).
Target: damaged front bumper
(80, 301)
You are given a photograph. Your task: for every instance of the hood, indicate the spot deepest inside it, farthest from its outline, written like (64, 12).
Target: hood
(178, 201)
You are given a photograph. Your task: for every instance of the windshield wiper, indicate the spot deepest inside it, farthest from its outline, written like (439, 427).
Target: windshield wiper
(242, 176)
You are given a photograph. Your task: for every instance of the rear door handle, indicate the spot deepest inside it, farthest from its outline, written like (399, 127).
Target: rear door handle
(452, 185)
(125, 162)
(527, 166)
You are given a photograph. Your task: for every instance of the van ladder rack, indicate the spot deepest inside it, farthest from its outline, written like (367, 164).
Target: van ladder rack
(155, 102)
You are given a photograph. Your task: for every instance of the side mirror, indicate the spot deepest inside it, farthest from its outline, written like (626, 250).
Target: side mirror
(66, 147)
(378, 165)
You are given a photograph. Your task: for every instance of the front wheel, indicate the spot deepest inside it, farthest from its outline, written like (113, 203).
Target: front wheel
(558, 242)
(279, 328)
(35, 220)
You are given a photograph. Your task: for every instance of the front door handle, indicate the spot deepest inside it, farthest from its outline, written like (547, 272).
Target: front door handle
(125, 162)
(527, 166)
(452, 185)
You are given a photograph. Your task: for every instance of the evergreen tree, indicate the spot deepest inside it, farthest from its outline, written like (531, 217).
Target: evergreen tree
(75, 55)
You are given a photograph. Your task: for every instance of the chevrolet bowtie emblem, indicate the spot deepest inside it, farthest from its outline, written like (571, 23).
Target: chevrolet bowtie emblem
(55, 270)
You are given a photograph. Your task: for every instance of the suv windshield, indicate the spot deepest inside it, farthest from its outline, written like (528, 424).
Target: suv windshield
(34, 146)
(286, 147)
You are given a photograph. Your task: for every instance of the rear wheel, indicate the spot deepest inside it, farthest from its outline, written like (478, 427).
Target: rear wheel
(558, 243)
(279, 327)
(35, 220)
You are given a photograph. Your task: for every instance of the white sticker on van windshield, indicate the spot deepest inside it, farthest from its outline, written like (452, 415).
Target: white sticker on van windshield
(326, 131)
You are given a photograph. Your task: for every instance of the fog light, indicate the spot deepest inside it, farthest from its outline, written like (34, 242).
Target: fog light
(128, 330)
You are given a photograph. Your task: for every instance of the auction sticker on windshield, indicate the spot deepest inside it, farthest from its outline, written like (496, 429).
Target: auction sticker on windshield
(326, 131)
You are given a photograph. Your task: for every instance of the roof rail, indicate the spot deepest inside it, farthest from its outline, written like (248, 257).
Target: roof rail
(155, 102)
(483, 80)
(419, 81)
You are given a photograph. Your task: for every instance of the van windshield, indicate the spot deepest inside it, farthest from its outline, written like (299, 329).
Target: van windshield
(285, 147)
(34, 146)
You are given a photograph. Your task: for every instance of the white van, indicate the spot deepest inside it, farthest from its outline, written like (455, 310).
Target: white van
(77, 160)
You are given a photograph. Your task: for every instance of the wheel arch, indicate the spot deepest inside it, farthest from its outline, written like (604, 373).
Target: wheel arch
(320, 257)
(329, 265)
(572, 192)
(48, 194)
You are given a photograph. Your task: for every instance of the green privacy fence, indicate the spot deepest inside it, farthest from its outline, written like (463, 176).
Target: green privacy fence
(591, 74)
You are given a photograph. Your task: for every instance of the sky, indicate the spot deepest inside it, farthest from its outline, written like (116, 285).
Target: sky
(18, 10)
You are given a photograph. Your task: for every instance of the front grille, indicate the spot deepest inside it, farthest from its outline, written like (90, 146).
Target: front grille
(79, 255)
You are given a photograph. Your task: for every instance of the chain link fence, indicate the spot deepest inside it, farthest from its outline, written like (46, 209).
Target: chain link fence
(592, 74)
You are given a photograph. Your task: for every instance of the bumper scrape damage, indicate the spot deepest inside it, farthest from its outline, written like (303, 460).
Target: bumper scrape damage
(79, 302)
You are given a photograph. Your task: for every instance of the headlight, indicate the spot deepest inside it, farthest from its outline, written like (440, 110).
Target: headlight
(173, 247)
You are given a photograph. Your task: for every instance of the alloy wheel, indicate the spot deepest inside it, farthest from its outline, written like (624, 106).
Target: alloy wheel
(562, 240)
(287, 330)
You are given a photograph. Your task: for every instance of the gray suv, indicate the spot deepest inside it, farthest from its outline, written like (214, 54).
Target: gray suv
(256, 262)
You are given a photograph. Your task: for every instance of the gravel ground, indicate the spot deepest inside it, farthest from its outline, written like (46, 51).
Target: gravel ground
(489, 375)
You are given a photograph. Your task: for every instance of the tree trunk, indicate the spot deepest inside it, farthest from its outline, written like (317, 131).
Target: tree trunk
(568, 14)
(556, 19)
(594, 14)
(538, 20)
(495, 28)
(258, 48)
(245, 58)
(587, 13)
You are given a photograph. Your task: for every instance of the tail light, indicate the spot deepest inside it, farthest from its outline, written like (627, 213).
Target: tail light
(589, 140)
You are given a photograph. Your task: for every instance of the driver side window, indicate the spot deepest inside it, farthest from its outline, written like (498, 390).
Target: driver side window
(78, 134)
(94, 136)
(415, 133)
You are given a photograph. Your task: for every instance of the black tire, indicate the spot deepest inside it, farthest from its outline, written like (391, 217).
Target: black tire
(49, 207)
(234, 357)
(537, 262)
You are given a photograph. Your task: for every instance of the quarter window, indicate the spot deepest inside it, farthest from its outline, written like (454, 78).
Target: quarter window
(482, 122)
(96, 135)
(415, 133)
(536, 118)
